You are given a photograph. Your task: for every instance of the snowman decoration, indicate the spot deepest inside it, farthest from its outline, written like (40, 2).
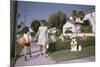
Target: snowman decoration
(74, 46)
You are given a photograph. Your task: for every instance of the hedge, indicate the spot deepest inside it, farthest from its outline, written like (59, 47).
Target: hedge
(89, 42)
(59, 45)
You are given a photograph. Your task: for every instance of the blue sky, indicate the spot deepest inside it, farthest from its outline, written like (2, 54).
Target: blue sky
(30, 11)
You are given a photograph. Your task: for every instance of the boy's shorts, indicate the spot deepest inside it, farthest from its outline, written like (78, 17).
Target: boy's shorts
(27, 44)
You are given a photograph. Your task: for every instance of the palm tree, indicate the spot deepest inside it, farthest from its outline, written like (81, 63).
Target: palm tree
(81, 15)
(74, 14)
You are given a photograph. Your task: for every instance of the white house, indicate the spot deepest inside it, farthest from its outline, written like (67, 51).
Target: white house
(75, 26)
(68, 26)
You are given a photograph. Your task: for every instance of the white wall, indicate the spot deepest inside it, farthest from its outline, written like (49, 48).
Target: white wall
(67, 25)
(91, 18)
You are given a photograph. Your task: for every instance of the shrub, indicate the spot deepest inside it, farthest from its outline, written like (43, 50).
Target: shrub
(62, 45)
(52, 47)
(89, 42)
(58, 33)
(18, 49)
(86, 29)
(59, 45)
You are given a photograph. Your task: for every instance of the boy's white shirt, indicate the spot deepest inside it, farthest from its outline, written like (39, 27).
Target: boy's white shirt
(28, 38)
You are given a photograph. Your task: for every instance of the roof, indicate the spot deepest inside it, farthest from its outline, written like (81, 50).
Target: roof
(68, 24)
(90, 10)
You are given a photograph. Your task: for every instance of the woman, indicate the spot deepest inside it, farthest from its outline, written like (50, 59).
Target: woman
(42, 35)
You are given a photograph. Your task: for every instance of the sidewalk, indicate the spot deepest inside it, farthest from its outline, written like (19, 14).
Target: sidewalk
(35, 59)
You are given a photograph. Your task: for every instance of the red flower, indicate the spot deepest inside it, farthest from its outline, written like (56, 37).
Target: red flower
(84, 37)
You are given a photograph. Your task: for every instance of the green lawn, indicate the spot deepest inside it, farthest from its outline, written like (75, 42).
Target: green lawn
(65, 55)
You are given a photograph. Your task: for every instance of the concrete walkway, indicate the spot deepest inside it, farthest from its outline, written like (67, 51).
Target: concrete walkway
(35, 59)
(85, 59)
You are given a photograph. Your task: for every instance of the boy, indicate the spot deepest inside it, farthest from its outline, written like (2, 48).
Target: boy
(27, 45)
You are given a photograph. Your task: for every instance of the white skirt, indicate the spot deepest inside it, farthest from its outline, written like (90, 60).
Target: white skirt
(42, 40)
